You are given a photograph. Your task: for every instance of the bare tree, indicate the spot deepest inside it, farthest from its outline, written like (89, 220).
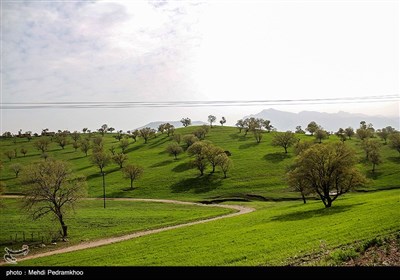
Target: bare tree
(177, 138)
(349, 132)
(146, 133)
(9, 154)
(299, 130)
(124, 144)
(132, 172)
(101, 159)
(198, 151)
(212, 154)
(75, 136)
(258, 134)
(240, 125)
(85, 146)
(174, 149)
(52, 189)
(383, 134)
(75, 145)
(189, 139)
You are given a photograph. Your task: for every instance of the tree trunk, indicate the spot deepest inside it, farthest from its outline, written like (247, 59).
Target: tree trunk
(131, 184)
(285, 150)
(64, 227)
(213, 168)
(373, 168)
(328, 202)
(175, 156)
(304, 198)
(225, 174)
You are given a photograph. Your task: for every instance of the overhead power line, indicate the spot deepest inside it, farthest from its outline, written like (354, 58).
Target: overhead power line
(188, 103)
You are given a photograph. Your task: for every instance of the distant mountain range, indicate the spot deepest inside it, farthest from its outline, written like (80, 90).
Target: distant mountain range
(283, 121)
(177, 124)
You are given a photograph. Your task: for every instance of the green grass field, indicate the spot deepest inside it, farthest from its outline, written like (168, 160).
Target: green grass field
(92, 221)
(272, 235)
(258, 168)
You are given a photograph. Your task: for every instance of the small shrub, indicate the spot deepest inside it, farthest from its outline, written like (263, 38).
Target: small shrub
(340, 256)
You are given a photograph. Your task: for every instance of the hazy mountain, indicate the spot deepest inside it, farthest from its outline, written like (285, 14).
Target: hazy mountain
(177, 124)
(329, 121)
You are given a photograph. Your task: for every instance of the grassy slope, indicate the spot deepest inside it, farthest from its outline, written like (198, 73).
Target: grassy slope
(269, 236)
(92, 221)
(258, 168)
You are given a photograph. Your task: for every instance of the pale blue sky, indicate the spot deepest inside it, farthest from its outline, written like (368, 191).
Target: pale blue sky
(58, 51)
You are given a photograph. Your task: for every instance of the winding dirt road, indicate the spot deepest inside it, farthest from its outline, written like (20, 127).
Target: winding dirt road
(91, 244)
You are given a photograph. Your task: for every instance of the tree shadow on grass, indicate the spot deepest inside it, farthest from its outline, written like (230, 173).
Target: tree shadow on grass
(201, 184)
(302, 215)
(162, 163)
(158, 142)
(182, 167)
(374, 175)
(277, 157)
(237, 136)
(248, 145)
(132, 148)
(394, 159)
(80, 157)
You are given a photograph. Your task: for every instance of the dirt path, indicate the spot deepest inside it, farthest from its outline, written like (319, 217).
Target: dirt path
(91, 244)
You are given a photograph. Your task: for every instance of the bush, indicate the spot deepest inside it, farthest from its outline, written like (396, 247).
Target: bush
(340, 256)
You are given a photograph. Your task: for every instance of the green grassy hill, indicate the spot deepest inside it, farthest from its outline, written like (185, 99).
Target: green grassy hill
(259, 169)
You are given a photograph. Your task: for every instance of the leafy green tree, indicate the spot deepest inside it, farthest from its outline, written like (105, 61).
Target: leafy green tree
(370, 146)
(222, 121)
(174, 149)
(284, 139)
(198, 151)
(328, 170)
(299, 130)
(146, 133)
(321, 134)
(177, 138)
(383, 134)
(132, 172)
(375, 158)
(75, 136)
(312, 127)
(341, 134)
(212, 154)
(349, 132)
(124, 143)
(200, 133)
(186, 122)
(240, 125)
(267, 125)
(9, 154)
(52, 189)
(101, 160)
(85, 146)
(258, 134)
(23, 151)
(301, 146)
(189, 139)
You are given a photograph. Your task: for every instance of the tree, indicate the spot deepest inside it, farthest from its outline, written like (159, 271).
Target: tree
(170, 129)
(312, 127)
(76, 145)
(251, 124)
(112, 150)
(28, 135)
(84, 129)
(23, 151)
(299, 130)
(103, 129)
(298, 184)
(395, 141)
(120, 158)
(365, 131)
(189, 139)
(341, 134)
(241, 125)
(301, 146)
(174, 149)
(161, 128)
(211, 119)
(349, 132)
(198, 150)
(132, 172)
(110, 129)
(383, 134)
(124, 144)
(375, 158)
(75, 136)
(42, 144)
(62, 140)
(146, 132)
(370, 146)
(16, 168)
(267, 125)
(186, 122)
(135, 134)
(98, 142)
(101, 159)
(212, 154)
(119, 136)
(327, 170)
(258, 134)
(284, 139)
(321, 134)
(52, 189)
(200, 133)
(225, 163)
(177, 138)
(44, 156)
(9, 154)
(222, 121)
(85, 146)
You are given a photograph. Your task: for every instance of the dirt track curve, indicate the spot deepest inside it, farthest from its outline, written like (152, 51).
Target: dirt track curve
(96, 243)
